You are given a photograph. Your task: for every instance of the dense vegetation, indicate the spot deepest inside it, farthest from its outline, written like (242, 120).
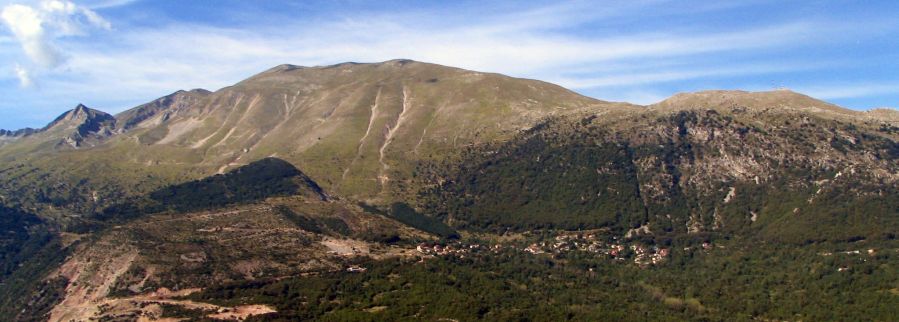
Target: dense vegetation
(29, 249)
(741, 282)
(21, 237)
(569, 174)
(544, 181)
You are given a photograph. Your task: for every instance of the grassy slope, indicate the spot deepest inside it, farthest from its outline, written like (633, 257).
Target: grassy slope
(315, 118)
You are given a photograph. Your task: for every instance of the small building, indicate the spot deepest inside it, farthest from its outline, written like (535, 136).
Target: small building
(424, 248)
(534, 249)
(663, 252)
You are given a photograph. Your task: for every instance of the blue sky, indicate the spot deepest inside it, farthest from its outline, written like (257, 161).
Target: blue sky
(116, 54)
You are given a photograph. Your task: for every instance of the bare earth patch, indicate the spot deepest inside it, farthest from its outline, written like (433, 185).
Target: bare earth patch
(242, 312)
(346, 247)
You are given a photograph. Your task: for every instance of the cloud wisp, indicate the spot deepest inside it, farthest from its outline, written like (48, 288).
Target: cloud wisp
(24, 76)
(617, 51)
(35, 27)
(216, 57)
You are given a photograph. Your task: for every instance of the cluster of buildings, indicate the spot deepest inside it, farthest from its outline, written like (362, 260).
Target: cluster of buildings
(642, 255)
(443, 250)
(611, 248)
(645, 256)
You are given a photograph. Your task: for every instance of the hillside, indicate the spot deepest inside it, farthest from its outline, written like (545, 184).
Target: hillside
(405, 190)
(269, 177)
(358, 128)
(787, 174)
(262, 220)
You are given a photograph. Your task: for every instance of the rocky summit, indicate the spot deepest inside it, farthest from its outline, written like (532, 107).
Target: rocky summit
(407, 190)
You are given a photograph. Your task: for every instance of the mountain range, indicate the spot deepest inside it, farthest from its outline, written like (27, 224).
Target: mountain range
(297, 172)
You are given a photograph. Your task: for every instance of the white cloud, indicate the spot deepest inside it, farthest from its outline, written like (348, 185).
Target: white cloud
(26, 24)
(24, 76)
(142, 63)
(105, 4)
(69, 19)
(669, 74)
(35, 27)
(95, 19)
(137, 67)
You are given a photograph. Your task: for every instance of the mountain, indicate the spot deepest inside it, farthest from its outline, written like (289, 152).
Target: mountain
(782, 100)
(81, 127)
(885, 113)
(405, 190)
(160, 109)
(369, 121)
(359, 129)
(778, 165)
(77, 128)
(17, 133)
(7, 136)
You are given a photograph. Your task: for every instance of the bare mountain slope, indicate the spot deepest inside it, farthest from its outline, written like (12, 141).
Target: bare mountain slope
(160, 109)
(358, 129)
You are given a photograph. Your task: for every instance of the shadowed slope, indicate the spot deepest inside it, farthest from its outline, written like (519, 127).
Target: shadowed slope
(269, 177)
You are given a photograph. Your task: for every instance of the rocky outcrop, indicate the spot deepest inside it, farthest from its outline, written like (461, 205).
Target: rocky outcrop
(159, 110)
(81, 126)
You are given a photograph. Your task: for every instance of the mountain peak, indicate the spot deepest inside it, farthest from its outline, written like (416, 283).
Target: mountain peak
(160, 107)
(79, 114)
(283, 68)
(79, 124)
(399, 62)
(290, 67)
(202, 91)
(784, 99)
(885, 113)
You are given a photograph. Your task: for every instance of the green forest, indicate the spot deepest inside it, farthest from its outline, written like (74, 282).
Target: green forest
(733, 283)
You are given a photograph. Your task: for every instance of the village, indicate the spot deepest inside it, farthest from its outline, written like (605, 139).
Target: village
(561, 244)
(614, 249)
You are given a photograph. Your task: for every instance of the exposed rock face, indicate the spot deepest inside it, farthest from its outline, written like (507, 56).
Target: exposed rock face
(76, 128)
(88, 126)
(159, 110)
